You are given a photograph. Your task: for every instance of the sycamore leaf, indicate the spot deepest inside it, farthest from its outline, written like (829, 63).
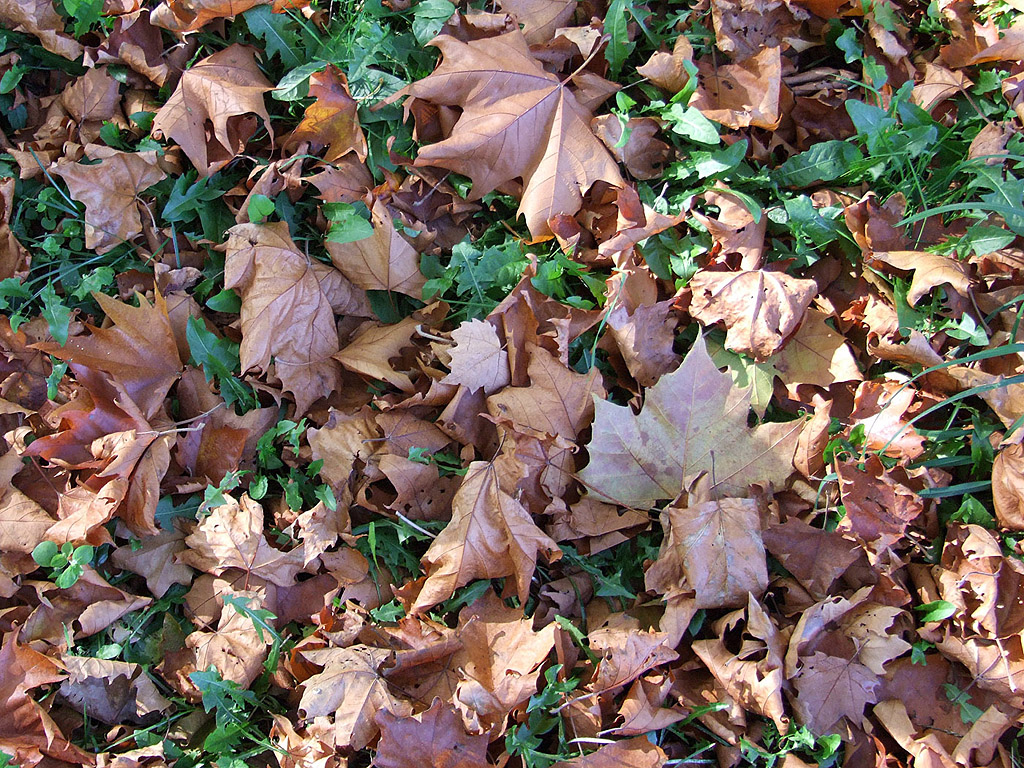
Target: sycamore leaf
(182, 16)
(540, 18)
(760, 308)
(40, 18)
(138, 352)
(384, 261)
(109, 189)
(331, 120)
(232, 537)
(830, 688)
(222, 90)
(517, 121)
(353, 690)
(490, 536)
(693, 422)
(286, 313)
(439, 737)
(478, 359)
(631, 753)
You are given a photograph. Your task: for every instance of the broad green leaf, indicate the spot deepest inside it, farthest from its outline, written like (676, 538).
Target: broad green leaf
(56, 314)
(825, 161)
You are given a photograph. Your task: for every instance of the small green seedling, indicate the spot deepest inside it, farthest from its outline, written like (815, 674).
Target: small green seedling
(68, 561)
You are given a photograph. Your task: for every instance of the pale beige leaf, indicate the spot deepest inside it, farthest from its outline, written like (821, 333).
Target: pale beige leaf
(478, 360)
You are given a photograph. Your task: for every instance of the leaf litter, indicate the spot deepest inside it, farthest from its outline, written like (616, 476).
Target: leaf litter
(602, 384)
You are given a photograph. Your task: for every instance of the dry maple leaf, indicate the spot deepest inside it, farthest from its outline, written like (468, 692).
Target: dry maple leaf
(232, 537)
(236, 648)
(331, 120)
(180, 16)
(110, 691)
(286, 314)
(693, 421)
(930, 271)
(716, 546)
(138, 352)
(373, 346)
(816, 354)
(517, 121)
(625, 654)
(491, 535)
(830, 688)
(109, 190)
(744, 94)
(760, 308)
(154, 560)
(352, 689)
(384, 261)
(39, 18)
(1008, 487)
(631, 753)
(540, 18)
(222, 90)
(436, 737)
(478, 360)
(27, 733)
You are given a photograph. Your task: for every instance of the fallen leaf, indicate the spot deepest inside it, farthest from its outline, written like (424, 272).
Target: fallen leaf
(830, 688)
(517, 121)
(435, 737)
(39, 18)
(181, 16)
(331, 120)
(744, 94)
(631, 753)
(110, 691)
(109, 189)
(931, 270)
(155, 561)
(760, 308)
(352, 689)
(491, 535)
(816, 354)
(693, 422)
(1008, 487)
(478, 360)
(625, 655)
(540, 18)
(222, 90)
(286, 314)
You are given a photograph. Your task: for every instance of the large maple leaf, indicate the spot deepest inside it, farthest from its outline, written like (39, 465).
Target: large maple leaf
(693, 421)
(517, 121)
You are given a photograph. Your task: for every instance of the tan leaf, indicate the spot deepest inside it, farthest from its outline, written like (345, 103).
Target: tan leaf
(384, 261)
(1008, 487)
(286, 316)
(625, 655)
(645, 338)
(231, 536)
(631, 753)
(744, 94)
(517, 121)
(352, 689)
(235, 648)
(374, 345)
(344, 439)
(180, 16)
(930, 271)
(760, 308)
(557, 401)
(110, 691)
(23, 523)
(666, 70)
(39, 18)
(816, 354)
(642, 710)
(154, 560)
(540, 18)
(490, 536)
(693, 422)
(436, 737)
(478, 359)
(331, 120)
(138, 351)
(716, 547)
(815, 557)
(881, 406)
(830, 688)
(879, 507)
(222, 90)
(643, 154)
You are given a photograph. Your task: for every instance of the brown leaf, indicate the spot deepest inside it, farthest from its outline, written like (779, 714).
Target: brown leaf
(760, 308)
(286, 314)
(490, 536)
(558, 401)
(831, 688)
(881, 406)
(208, 114)
(109, 189)
(352, 689)
(815, 557)
(478, 359)
(625, 655)
(643, 155)
(646, 337)
(231, 536)
(540, 18)
(1008, 487)
(14, 259)
(181, 16)
(517, 121)
(331, 120)
(744, 94)
(435, 737)
(236, 648)
(39, 18)
(693, 422)
(930, 271)
(154, 560)
(138, 351)
(27, 733)
(714, 548)
(816, 354)
(384, 261)
(631, 753)
(110, 691)
(373, 346)
(642, 710)
(666, 70)
(879, 506)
